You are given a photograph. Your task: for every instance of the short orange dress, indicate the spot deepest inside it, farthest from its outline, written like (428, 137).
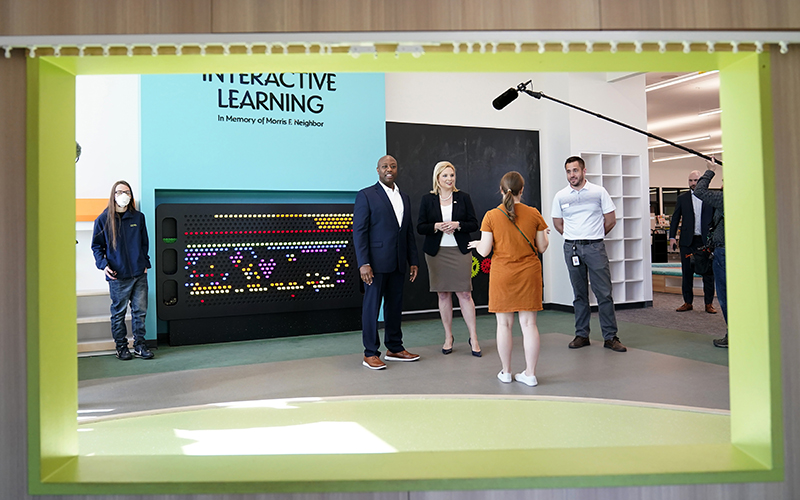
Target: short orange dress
(515, 277)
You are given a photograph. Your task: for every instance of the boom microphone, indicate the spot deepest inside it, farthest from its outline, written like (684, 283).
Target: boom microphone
(505, 99)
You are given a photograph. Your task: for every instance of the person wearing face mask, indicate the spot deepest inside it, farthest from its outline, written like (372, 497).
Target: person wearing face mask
(120, 246)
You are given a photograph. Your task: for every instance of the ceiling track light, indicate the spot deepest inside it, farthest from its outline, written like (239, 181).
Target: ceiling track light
(710, 112)
(684, 141)
(678, 80)
(681, 157)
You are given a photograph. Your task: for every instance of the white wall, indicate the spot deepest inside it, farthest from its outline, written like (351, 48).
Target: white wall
(464, 99)
(107, 128)
(623, 100)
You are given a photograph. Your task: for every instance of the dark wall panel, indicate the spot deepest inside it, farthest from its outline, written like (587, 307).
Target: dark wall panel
(481, 157)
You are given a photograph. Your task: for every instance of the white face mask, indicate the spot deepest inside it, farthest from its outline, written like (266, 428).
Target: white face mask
(122, 200)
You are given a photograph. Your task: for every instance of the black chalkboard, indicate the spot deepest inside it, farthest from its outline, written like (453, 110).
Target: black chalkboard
(481, 157)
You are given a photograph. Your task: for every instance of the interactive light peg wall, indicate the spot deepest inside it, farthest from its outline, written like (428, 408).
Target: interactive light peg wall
(227, 260)
(414, 43)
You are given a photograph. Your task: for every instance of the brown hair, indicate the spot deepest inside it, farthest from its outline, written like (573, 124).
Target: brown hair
(438, 169)
(572, 159)
(111, 212)
(511, 185)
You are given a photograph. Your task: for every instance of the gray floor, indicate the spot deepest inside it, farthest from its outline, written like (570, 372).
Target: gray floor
(638, 375)
(663, 365)
(663, 314)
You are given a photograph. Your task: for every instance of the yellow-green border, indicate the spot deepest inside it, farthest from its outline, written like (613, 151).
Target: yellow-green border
(756, 425)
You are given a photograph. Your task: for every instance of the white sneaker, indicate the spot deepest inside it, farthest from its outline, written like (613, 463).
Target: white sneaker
(521, 377)
(504, 377)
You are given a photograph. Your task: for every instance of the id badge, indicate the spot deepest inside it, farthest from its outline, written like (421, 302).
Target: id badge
(576, 261)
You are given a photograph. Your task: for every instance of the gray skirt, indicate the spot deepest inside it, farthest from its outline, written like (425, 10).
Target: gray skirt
(450, 270)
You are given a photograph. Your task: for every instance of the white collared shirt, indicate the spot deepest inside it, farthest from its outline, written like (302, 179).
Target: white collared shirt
(697, 203)
(397, 201)
(582, 211)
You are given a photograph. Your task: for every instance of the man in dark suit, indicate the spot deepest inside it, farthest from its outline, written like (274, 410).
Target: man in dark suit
(694, 217)
(384, 241)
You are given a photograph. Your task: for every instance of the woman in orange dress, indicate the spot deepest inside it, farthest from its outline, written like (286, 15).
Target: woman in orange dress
(517, 233)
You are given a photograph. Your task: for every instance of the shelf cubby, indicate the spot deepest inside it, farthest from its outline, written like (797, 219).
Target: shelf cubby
(620, 175)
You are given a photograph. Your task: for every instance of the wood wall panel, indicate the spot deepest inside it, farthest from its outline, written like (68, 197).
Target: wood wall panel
(82, 17)
(70, 17)
(13, 462)
(786, 123)
(693, 14)
(393, 15)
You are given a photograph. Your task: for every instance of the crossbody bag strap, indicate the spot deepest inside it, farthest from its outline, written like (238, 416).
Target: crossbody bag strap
(520, 231)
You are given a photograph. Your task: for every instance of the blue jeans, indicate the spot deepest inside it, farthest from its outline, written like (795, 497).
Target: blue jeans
(122, 291)
(718, 265)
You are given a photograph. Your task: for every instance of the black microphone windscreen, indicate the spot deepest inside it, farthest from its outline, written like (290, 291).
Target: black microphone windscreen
(505, 99)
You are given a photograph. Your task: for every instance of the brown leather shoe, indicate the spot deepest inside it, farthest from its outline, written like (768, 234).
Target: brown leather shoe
(373, 363)
(710, 309)
(685, 307)
(400, 356)
(615, 345)
(579, 342)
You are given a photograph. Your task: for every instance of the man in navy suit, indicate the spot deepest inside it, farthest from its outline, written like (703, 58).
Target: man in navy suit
(384, 241)
(695, 221)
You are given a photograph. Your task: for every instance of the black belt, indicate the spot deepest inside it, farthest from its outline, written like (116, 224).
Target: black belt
(584, 242)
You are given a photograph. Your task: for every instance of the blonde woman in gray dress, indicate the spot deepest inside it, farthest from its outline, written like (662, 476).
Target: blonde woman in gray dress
(446, 219)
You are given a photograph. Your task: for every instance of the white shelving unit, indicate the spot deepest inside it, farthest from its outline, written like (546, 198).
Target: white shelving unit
(621, 176)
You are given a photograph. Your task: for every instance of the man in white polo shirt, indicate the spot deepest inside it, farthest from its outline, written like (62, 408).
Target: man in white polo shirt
(584, 213)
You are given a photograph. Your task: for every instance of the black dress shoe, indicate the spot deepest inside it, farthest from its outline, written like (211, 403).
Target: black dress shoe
(448, 351)
(477, 354)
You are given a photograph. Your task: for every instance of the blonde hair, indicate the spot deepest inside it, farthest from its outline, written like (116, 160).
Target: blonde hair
(511, 185)
(437, 170)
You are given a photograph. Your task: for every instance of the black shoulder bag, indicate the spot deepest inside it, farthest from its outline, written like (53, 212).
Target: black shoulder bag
(702, 258)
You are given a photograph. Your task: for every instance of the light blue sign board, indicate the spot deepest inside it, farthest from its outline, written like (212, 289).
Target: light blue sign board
(207, 135)
(259, 133)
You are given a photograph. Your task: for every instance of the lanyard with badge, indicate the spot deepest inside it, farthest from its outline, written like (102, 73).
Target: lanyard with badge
(576, 261)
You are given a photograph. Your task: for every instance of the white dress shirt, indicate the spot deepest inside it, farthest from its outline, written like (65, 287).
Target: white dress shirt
(397, 201)
(697, 203)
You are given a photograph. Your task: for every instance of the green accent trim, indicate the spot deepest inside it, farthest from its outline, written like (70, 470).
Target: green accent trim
(52, 333)
(463, 443)
(755, 452)
(753, 297)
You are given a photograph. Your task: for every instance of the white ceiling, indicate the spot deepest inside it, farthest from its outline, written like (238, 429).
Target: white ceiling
(672, 113)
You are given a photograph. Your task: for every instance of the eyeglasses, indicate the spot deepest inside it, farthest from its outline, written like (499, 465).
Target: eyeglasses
(123, 192)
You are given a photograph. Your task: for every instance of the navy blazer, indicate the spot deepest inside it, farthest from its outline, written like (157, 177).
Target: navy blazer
(684, 212)
(430, 213)
(379, 241)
